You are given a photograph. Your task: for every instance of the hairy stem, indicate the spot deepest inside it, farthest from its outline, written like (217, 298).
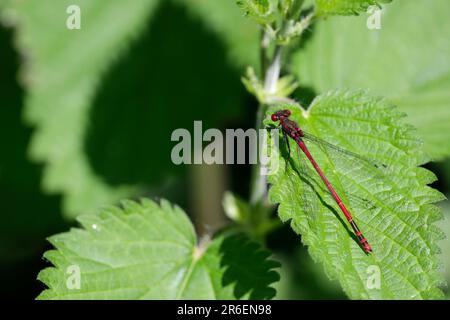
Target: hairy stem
(272, 74)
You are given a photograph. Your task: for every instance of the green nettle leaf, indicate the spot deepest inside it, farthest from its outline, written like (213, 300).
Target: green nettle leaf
(260, 10)
(345, 7)
(406, 61)
(79, 80)
(149, 251)
(390, 202)
(64, 71)
(444, 224)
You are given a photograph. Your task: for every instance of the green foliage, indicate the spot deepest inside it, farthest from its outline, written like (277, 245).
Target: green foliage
(294, 29)
(65, 69)
(224, 18)
(285, 86)
(290, 9)
(345, 7)
(406, 61)
(254, 220)
(262, 11)
(396, 215)
(149, 251)
(444, 224)
(103, 100)
(235, 208)
(95, 150)
(25, 222)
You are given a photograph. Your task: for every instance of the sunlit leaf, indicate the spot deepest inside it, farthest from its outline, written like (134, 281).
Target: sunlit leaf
(392, 203)
(345, 7)
(149, 251)
(405, 61)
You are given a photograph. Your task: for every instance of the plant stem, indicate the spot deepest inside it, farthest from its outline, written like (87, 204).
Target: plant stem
(273, 72)
(265, 41)
(270, 72)
(258, 181)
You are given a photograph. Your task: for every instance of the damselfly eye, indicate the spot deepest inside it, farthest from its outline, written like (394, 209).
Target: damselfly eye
(274, 117)
(286, 113)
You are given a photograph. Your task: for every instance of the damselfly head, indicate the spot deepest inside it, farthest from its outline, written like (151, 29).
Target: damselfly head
(276, 116)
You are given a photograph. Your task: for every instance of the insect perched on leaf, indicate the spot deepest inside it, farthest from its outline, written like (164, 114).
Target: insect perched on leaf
(291, 129)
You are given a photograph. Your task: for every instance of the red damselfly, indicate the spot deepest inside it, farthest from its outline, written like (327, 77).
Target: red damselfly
(291, 129)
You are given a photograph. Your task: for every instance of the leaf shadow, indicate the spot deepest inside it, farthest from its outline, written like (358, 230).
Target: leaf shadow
(175, 73)
(306, 179)
(248, 268)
